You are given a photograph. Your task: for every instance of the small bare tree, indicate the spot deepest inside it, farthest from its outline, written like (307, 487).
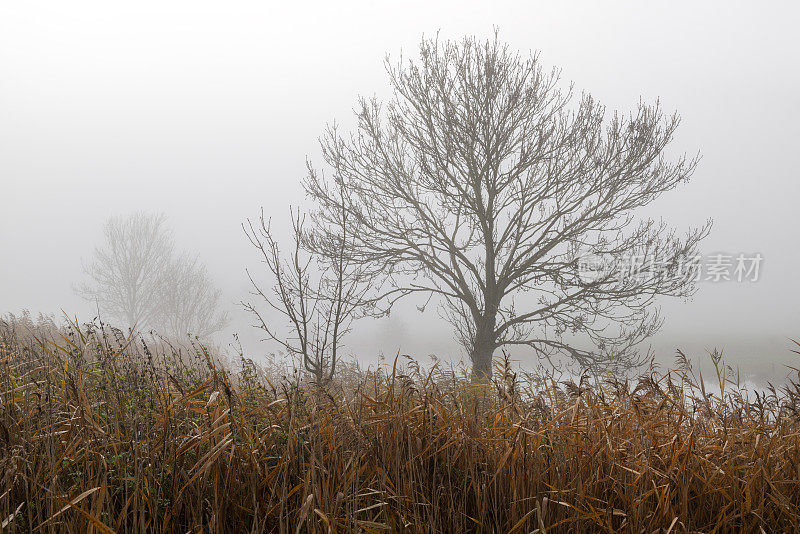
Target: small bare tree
(317, 296)
(482, 183)
(137, 279)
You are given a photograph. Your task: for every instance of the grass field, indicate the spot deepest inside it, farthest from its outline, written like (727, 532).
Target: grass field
(103, 434)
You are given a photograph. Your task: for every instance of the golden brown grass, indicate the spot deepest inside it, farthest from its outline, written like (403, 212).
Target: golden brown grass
(100, 436)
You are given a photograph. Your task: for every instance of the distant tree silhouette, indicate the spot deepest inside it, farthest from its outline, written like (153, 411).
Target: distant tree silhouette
(137, 279)
(189, 302)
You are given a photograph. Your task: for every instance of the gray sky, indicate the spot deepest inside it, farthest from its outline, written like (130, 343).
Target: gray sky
(207, 111)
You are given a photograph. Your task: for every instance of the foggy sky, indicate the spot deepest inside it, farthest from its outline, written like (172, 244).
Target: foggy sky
(207, 111)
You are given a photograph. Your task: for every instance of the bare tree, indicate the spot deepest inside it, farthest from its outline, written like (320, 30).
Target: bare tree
(189, 302)
(137, 279)
(481, 182)
(128, 269)
(317, 296)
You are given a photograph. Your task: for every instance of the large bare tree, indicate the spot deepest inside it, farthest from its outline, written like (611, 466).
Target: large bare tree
(137, 278)
(482, 182)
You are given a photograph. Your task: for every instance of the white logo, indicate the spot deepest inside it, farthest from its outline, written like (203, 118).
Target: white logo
(593, 267)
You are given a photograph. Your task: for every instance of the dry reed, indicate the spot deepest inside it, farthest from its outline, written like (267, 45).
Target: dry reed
(102, 434)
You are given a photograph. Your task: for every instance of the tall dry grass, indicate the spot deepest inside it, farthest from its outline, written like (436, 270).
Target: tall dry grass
(99, 434)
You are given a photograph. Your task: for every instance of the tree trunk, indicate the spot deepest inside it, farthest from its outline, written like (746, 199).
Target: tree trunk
(481, 365)
(483, 350)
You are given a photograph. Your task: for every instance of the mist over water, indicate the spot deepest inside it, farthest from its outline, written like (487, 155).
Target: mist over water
(208, 114)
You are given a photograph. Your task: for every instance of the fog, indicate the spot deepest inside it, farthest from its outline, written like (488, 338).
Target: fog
(208, 111)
